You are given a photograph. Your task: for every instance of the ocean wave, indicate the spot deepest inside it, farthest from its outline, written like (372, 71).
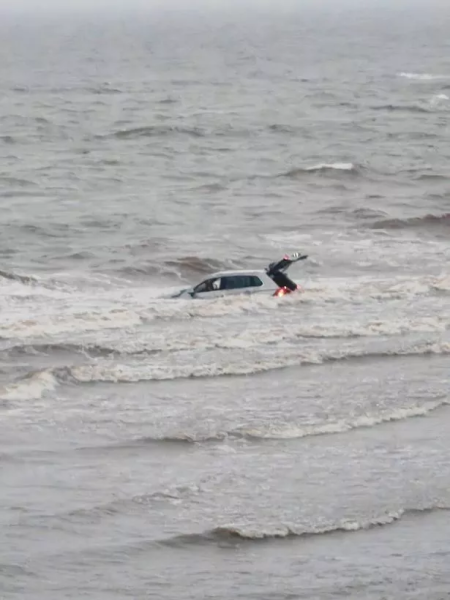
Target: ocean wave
(282, 128)
(164, 309)
(15, 572)
(11, 458)
(172, 495)
(431, 177)
(210, 187)
(368, 213)
(428, 221)
(35, 327)
(232, 534)
(246, 340)
(196, 265)
(348, 169)
(343, 425)
(103, 89)
(115, 373)
(181, 439)
(293, 432)
(35, 384)
(183, 267)
(168, 100)
(411, 108)
(156, 131)
(128, 374)
(47, 325)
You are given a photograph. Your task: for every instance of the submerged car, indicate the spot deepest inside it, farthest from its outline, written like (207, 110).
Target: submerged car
(272, 280)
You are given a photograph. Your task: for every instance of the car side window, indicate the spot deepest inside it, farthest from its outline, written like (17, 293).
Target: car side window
(210, 285)
(240, 281)
(255, 281)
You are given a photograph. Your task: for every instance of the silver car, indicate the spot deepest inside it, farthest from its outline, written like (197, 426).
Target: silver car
(272, 280)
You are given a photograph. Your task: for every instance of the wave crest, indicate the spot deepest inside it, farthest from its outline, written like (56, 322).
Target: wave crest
(293, 432)
(132, 374)
(232, 534)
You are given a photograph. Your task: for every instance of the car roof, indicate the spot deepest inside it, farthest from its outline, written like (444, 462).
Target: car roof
(259, 273)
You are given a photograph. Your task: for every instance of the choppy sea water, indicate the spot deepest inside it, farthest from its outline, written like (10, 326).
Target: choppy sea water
(241, 447)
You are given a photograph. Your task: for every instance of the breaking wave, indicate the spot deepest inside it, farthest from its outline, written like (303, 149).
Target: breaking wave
(236, 533)
(343, 425)
(146, 308)
(35, 384)
(290, 358)
(246, 340)
(130, 374)
(293, 432)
